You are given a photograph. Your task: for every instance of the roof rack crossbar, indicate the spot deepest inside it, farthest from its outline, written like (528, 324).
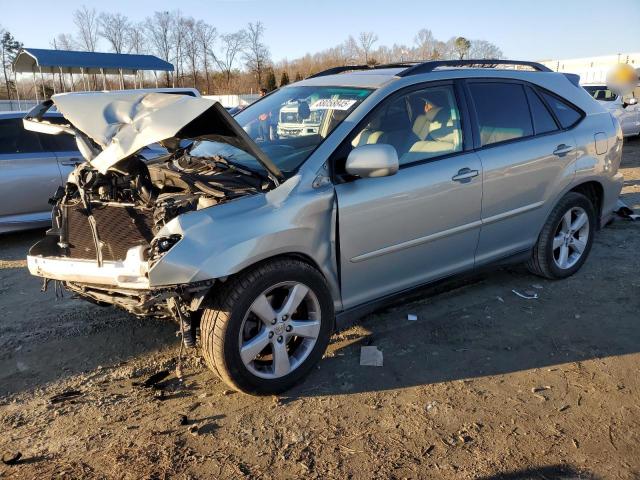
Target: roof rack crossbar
(430, 66)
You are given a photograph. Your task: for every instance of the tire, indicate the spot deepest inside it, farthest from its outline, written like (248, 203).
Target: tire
(547, 261)
(231, 324)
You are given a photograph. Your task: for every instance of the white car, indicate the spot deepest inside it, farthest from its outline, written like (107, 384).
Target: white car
(624, 108)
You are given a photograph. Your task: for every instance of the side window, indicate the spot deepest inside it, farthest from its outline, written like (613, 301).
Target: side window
(502, 110)
(420, 125)
(58, 143)
(543, 121)
(15, 139)
(567, 115)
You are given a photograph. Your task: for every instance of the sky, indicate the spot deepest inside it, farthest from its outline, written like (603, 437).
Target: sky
(523, 29)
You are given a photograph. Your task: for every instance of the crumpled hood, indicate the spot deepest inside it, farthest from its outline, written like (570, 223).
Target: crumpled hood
(122, 123)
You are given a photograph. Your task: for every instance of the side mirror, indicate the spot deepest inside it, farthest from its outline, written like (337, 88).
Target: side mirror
(376, 160)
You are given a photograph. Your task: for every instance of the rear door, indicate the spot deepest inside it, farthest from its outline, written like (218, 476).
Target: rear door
(423, 222)
(29, 175)
(525, 152)
(65, 149)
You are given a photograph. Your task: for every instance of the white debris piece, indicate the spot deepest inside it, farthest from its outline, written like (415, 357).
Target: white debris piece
(525, 296)
(412, 317)
(370, 356)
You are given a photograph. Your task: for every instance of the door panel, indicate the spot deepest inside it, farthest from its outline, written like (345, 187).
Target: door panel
(519, 180)
(400, 231)
(27, 181)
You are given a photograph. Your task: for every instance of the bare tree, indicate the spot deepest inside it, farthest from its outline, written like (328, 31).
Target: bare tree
(206, 37)
(158, 28)
(136, 39)
(86, 21)
(349, 51)
(425, 44)
(366, 40)
(192, 48)
(231, 45)
(257, 53)
(9, 48)
(178, 39)
(63, 41)
(114, 28)
(484, 50)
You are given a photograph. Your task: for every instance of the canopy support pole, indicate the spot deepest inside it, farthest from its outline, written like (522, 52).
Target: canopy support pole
(104, 79)
(53, 82)
(84, 79)
(15, 81)
(35, 86)
(121, 79)
(64, 84)
(44, 92)
(71, 75)
(156, 75)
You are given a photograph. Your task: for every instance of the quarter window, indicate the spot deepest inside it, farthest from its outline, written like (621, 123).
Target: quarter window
(567, 115)
(15, 139)
(502, 111)
(420, 125)
(543, 121)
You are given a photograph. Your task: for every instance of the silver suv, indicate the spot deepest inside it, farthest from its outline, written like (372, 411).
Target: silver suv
(260, 245)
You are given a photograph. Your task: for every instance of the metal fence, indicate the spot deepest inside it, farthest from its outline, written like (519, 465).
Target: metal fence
(234, 100)
(16, 105)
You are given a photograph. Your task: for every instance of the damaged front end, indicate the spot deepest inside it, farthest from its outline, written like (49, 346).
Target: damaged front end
(110, 220)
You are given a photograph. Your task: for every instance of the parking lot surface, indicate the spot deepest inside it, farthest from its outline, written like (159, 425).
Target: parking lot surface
(484, 384)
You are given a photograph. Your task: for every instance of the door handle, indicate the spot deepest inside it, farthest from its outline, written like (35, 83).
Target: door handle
(562, 149)
(464, 175)
(71, 162)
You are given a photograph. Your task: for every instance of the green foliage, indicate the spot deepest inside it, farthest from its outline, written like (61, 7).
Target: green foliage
(284, 79)
(462, 46)
(271, 81)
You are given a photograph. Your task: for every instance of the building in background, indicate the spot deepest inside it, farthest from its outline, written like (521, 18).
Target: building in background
(593, 69)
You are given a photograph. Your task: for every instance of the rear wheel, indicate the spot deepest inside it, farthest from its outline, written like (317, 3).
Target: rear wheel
(566, 238)
(267, 327)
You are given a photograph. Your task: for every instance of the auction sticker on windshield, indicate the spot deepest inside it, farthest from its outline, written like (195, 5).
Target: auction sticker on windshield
(333, 104)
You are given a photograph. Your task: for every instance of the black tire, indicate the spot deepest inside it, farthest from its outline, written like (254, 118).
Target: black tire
(542, 262)
(222, 320)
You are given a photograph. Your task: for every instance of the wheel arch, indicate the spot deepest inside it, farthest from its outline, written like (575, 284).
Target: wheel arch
(594, 191)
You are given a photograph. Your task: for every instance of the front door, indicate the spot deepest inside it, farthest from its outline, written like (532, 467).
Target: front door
(422, 223)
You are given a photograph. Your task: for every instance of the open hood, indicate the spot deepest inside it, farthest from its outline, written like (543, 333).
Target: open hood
(122, 123)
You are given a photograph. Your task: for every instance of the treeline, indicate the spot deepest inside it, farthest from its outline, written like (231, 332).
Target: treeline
(219, 62)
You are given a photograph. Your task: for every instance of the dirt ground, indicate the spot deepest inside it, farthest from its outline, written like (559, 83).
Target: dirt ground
(484, 384)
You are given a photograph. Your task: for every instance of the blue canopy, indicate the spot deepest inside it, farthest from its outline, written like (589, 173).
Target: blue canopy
(69, 61)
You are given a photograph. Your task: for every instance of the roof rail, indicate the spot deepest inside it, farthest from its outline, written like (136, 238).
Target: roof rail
(427, 67)
(350, 68)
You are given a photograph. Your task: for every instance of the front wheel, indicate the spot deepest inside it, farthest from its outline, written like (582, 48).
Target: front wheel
(566, 238)
(268, 327)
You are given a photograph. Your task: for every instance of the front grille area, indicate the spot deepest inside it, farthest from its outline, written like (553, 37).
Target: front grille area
(119, 228)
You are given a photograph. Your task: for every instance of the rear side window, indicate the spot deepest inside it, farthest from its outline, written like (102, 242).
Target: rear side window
(59, 143)
(15, 139)
(543, 121)
(502, 110)
(567, 115)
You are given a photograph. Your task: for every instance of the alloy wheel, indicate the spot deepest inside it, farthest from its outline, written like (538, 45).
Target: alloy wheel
(570, 240)
(280, 330)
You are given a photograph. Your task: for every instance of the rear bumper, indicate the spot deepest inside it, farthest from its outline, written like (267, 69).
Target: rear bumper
(47, 260)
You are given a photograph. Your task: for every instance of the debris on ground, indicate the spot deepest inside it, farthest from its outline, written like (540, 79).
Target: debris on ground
(625, 212)
(527, 295)
(370, 356)
(64, 396)
(412, 317)
(154, 379)
(11, 458)
(183, 420)
(537, 286)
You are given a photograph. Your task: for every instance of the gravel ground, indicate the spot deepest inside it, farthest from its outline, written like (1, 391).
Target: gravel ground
(484, 384)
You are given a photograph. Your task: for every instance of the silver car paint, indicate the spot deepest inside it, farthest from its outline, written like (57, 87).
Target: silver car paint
(27, 181)
(381, 251)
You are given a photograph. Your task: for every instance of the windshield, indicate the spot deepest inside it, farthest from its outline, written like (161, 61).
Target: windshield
(601, 92)
(287, 125)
